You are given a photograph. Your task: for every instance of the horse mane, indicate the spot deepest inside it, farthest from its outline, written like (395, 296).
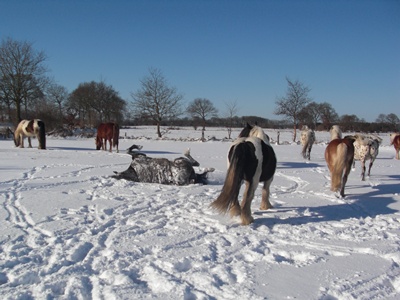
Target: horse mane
(336, 133)
(255, 131)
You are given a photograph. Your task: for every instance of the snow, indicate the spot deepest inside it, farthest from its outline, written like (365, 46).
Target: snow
(70, 231)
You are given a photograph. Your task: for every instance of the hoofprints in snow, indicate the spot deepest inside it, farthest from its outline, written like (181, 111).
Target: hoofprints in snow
(69, 230)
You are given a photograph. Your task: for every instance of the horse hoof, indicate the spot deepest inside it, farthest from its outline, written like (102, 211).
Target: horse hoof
(266, 208)
(247, 221)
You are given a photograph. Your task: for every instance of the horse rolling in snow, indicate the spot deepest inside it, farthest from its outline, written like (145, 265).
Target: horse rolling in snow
(30, 128)
(366, 147)
(163, 171)
(107, 132)
(250, 159)
(395, 141)
(339, 155)
(307, 140)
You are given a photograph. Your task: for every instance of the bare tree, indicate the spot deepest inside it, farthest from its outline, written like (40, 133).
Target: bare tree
(156, 100)
(22, 74)
(94, 102)
(291, 105)
(310, 115)
(349, 122)
(202, 108)
(393, 120)
(328, 115)
(58, 95)
(231, 112)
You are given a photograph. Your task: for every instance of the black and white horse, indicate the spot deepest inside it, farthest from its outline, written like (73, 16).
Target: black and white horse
(252, 160)
(30, 128)
(163, 171)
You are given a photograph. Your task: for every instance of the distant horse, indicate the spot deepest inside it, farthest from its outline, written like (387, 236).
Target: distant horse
(163, 171)
(252, 160)
(395, 141)
(366, 147)
(107, 132)
(29, 128)
(339, 155)
(307, 140)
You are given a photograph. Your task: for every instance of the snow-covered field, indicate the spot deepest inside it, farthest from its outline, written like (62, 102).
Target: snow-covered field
(69, 231)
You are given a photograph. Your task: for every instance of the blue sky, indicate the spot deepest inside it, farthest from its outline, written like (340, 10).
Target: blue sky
(346, 52)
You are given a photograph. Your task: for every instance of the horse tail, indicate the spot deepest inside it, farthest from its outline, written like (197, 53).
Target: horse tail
(339, 166)
(115, 135)
(41, 134)
(233, 180)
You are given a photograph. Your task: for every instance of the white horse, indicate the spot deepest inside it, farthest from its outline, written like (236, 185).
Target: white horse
(30, 128)
(307, 140)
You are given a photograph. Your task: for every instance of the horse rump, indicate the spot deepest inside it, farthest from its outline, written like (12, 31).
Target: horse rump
(339, 155)
(41, 134)
(107, 132)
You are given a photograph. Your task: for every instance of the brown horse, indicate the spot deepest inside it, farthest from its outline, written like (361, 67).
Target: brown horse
(395, 141)
(107, 132)
(339, 155)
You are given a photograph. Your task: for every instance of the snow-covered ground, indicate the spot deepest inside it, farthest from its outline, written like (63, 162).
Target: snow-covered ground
(69, 231)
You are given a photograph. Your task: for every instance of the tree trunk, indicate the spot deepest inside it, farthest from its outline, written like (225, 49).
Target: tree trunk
(294, 133)
(159, 130)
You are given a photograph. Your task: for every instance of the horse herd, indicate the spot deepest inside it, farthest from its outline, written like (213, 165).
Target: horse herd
(251, 160)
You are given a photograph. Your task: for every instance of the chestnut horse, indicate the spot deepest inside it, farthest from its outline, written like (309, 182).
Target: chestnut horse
(29, 128)
(395, 141)
(252, 160)
(107, 132)
(339, 155)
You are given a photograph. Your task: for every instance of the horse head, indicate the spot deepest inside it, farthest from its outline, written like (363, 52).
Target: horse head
(98, 142)
(254, 131)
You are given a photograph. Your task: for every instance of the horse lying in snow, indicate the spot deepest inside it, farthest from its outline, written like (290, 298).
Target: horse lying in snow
(163, 171)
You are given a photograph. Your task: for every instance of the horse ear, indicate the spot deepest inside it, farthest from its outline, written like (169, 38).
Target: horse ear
(249, 126)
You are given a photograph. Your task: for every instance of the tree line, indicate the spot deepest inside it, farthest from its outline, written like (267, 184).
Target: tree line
(26, 92)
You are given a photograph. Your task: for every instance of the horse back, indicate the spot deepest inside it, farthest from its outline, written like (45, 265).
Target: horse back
(335, 146)
(243, 156)
(106, 130)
